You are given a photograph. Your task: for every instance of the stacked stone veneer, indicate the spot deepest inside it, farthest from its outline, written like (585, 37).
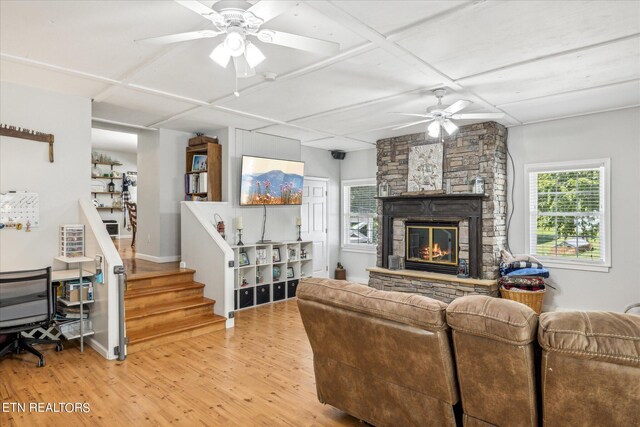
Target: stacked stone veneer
(478, 149)
(438, 289)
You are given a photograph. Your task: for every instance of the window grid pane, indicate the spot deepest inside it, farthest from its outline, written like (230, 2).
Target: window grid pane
(567, 214)
(361, 223)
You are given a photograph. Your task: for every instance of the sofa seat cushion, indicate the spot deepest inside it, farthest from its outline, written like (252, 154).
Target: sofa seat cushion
(410, 309)
(500, 319)
(613, 337)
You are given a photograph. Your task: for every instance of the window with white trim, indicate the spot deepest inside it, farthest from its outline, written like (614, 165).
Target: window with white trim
(360, 218)
(568, 213)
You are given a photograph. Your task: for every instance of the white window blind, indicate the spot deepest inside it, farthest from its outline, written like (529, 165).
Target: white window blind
(568, 218)
(360, 226)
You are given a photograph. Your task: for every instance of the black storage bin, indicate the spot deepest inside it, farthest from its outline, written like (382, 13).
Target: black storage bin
(235, 299)
(292, 286)
(279, 291)
(112, 226)
(262, 294)
(246, 297)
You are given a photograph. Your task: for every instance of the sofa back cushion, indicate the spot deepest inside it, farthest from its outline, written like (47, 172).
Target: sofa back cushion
(384, 357)
(590, 368)
(495, 358)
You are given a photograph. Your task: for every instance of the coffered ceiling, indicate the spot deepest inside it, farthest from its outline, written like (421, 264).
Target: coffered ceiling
(532, 60)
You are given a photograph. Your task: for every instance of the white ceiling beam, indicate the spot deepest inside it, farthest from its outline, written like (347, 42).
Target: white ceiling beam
(551, 55)
(356, 105)
(129, 75)
(567, 92)
(569, 116)
(336, 13)
(63, 70)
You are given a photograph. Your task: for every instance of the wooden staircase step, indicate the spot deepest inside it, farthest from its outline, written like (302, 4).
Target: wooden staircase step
(145, 297)
(188, 327)
(166, 312)
(164, 278)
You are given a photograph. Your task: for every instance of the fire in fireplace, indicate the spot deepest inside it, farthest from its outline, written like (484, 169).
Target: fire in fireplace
(431, 246)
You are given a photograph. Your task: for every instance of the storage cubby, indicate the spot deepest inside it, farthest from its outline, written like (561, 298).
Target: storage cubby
(255, 282)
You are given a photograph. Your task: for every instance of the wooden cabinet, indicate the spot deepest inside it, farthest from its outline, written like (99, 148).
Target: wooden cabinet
(203, 179)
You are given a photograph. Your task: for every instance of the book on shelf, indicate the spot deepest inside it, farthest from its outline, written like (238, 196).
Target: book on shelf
(196, 183)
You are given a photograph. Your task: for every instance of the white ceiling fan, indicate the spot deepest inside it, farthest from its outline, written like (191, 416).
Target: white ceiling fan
(239, 20)
(441, 116)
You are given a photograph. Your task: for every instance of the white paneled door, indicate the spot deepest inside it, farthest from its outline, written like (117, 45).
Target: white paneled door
(314, 222)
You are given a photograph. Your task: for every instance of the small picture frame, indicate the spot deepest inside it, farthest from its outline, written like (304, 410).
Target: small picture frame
(290, 272)
(276, 255)
(244, 259)
(261, 256)
(199, 163)
(293, 254)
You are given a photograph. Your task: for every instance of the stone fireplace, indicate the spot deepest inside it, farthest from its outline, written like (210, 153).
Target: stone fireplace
(433, 232)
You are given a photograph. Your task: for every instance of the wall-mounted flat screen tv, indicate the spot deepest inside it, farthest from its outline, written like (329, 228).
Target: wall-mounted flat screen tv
(271, 181)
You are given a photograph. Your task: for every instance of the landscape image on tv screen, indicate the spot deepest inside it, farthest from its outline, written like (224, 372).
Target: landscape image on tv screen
(271, 181)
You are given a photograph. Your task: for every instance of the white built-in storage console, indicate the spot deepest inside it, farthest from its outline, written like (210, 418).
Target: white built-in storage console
(269, 272)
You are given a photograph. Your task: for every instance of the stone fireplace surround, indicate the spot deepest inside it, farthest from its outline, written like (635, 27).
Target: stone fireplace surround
(478, 149)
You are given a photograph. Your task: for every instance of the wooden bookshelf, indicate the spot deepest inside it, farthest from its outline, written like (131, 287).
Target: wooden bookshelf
(213, 151)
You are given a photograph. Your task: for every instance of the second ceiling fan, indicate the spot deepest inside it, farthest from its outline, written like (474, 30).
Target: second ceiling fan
(239, 21)
(441, 116)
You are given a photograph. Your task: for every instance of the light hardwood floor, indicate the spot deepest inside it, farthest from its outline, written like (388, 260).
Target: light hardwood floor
(136, 266)
(258, 374)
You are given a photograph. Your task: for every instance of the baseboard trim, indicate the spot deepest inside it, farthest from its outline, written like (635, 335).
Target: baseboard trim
(99, 348)
(158, 259)
(361, 280)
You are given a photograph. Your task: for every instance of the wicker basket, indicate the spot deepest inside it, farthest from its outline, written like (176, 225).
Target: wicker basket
(532, 299)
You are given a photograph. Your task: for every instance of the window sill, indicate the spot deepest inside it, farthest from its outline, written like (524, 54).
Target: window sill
(370, 250)
(553, 263)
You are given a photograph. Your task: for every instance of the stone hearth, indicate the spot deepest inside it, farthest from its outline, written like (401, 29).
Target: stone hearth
(443, 287)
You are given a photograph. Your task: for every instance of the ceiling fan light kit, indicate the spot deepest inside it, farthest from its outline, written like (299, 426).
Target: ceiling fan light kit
(441, 116)
(238, 20)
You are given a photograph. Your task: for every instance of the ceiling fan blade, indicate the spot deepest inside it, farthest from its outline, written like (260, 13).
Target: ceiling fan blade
(268, 9)
(202, 10)
(298, 42)
(406, 125)
(475, 116)
(449, 126)
(428, 116)
(181, 37)
(457, 106)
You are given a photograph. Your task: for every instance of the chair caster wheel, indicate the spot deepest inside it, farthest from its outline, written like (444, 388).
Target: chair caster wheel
(59, 347)
(40, 363)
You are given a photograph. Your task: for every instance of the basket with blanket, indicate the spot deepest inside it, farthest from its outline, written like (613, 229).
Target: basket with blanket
(522, 280)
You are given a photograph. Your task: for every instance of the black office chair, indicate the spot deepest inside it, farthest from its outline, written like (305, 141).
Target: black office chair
(27, 301)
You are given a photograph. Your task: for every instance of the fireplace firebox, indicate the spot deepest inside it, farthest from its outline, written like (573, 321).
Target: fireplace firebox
(431, 246)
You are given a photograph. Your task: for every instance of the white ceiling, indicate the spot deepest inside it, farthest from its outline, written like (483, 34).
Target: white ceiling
(532, 60)
(104, 139)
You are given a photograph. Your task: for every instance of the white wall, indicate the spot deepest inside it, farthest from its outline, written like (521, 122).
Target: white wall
(161, 168)
(24, 165)
(357, 165)
(280, 219)
(320, 164)
(129, 164)
(614, 135)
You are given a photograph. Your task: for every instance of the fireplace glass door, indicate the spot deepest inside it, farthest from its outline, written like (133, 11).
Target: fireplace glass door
(434, 244)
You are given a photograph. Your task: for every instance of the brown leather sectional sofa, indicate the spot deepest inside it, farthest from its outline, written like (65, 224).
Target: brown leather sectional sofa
(399, 359)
